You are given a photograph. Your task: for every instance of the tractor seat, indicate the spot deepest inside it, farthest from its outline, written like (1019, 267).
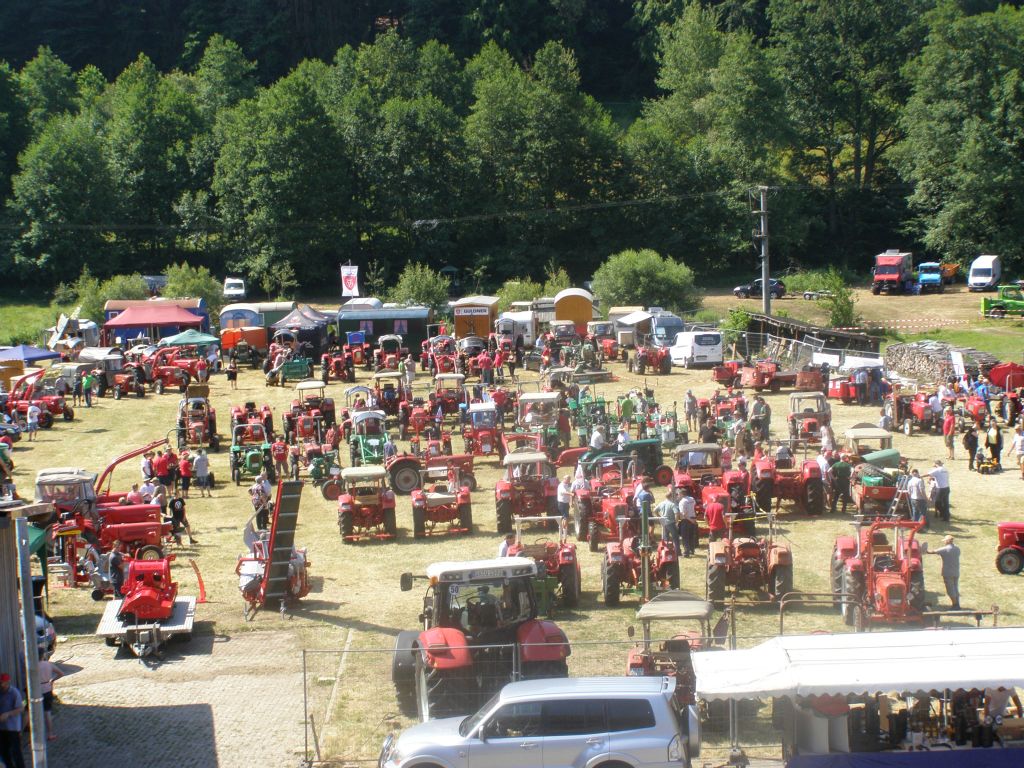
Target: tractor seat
(436, 499)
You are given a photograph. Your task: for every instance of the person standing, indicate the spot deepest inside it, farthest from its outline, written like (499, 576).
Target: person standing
(260, 504)
(87, 381)
(690, 410)
(860, 378)
(1017, 445)
(918, 498)
(48, 674)
(76, 390)
(115, 565)
(11, 707)
(146, 466)
(948, 431)
(563, 499)
(185, 472)
(668, 511)
(714, 516)
(940, 476)
(232, 372)
(687, 523)
(950, 554)
(201, 469)
(841, 471)
(32, 420)
(970, 443)
(410, 371)
(994, 440)
(643, 496)
(279, 452)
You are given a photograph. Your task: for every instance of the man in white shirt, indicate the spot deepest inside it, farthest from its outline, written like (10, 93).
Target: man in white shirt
(597, 441)
(621, 439)
(32, 420)
(507, 542)
(935, 403)
(563, 497)
(940, 476)
(687, 518)
(918, 498)
(147, 489)
(1017, 445)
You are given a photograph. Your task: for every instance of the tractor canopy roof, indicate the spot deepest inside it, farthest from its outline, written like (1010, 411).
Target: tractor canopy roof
(386, 376)
(471, 342)
(481, 570)
(197, 390)
(360, 474)
(697, 447)
(524, 457)
(485, 407)
(675, 605)
(360, 416)
(389, 338)
(539, 397)
(309, 384)
(441, 338)
(65, 484)
(796, 398)
(867, 432)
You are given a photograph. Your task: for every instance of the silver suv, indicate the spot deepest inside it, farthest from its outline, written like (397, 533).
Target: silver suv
(591, 721)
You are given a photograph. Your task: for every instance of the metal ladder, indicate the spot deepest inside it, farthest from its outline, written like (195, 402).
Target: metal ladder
(901, 499)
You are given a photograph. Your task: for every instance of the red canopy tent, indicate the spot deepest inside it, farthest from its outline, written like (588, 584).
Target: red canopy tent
(1007, 375)
(153, 321)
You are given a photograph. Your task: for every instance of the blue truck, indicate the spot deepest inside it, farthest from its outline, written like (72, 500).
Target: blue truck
(929, 277)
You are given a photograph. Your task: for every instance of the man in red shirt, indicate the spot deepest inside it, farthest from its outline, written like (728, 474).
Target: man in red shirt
(949, 431)
(484, 361)
(160, 469)
(185, 472)
(714, 515)
(279, 452)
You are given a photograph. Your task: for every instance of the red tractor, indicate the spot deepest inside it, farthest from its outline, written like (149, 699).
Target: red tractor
(745, 563)
(788, 479)
(878, 580)
(480, 631)
(337, 365)
(405, 469)
(482, 433)
(197, 419)
(366, 506)
(528, 487)
(449, 393)
(439, 355)
(555, 559)
(249, 414)
(909, 409)
(608, 496)
(389, 352)
(441, 498)
(602, 334)
(26, 391)
(390, 393)
(650, 357)
(358, 349)
(148, 590)
(162, 372)
(808, 413)
(311, 413)
(1010, 559)
(627, 559)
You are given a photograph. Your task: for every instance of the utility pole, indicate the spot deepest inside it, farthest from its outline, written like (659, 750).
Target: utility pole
(762, 235)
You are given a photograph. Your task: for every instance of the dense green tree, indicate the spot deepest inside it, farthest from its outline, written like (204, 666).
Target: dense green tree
(645, 278)
(14, 130)
(184, 280)
(47, 88)
(64, 203)
(90, 294)
(419, 284)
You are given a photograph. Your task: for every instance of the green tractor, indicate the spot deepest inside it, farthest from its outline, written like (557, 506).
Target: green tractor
(586, 413)
(250, 452)
(366, 443)
(324, 470)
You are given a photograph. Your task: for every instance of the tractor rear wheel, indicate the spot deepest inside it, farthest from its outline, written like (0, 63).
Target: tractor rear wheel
(638, 368)
(440, 692)
(666, 365)
(578, 525)
(1010, 561)
(814, 499)
(593, 537)
(672, 574)
(503, 511)
(836, 577)
(346, 526)
(150, 552)
(45, 419)
(569, 582)
(544, 670)
(330, 490)
(782, 581)
(610, 584)
(853, 585)
(390, 522)
(405, 478)
(716, 582)
(466, 516)
(763, 488)
(236, 475)
(419, 529)
(468, 480)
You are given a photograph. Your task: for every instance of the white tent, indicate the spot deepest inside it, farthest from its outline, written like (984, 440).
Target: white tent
(864, 664)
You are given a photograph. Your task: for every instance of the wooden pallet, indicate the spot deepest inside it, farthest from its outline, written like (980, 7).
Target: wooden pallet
(180, 622)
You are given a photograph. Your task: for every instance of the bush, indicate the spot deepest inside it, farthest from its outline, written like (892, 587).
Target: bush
(645, 278)
(841, 303)
(518, 290)
(91, 294)
(184, 282)
(814, 280)
(419, 284)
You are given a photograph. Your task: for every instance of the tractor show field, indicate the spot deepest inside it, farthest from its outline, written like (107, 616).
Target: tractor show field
(234, 694)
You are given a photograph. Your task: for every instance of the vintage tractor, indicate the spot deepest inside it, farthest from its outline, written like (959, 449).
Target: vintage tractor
(634, 559)
(728, 374)
(389, 352)
(480, 631)
(794, 480)
(197, 419)
(441, 498)
(164, 370)
(538, 412)
(874, 483)
(295, 368)
(358, 349)
(762, 564)
(250, 414)
(412, 421)
(843, 388)
(878, 580)
(587, 412)
(449, 393)
(482, 432)
(671, 657)
(1010, 559)
(602, 334)
(390, 393)
(908, 409)
(439, 355)
(337, 365)
(405, 469)
(25, 391)
(366, 443)
(470, 347)
(651, 357)
(862, 439)
(558, 568)
(528, 487)
(250, 452)
(808, 413)
(324, 468)
(366, 506)
(311, 399)
(696, 465)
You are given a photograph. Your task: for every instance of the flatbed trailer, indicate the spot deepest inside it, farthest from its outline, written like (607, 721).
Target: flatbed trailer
(147, 637)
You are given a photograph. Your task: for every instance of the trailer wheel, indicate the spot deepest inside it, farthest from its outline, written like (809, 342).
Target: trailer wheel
(1010, 561)
(150, 552)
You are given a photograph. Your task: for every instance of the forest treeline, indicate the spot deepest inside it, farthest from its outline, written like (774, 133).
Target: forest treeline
(279, 139)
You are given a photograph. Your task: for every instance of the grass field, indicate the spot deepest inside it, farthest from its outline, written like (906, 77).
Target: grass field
(356, 602)
(23, 323)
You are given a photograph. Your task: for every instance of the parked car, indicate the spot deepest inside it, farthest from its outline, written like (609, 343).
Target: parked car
(630, 718)
(234, 289)
(777, 289)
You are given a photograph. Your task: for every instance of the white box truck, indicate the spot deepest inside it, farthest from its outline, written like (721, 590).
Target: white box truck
(984, 273)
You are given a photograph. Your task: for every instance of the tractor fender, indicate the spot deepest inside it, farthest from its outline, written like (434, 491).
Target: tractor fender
(764, 469)
(503, 489)
(570, 457)
(779, 555)
(846, 546)
(855, 565)
(541, 640)
(613, 551)
(567, 556)
(403, 664)
(345, 500)
(810, 470)
(445, 648)
(666, 553)
(733, 477)
(718, 549)
(387, 499)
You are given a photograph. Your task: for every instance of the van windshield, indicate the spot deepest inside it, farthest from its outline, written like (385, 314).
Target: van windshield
(707, 339)
(887, 269)
(981, 272)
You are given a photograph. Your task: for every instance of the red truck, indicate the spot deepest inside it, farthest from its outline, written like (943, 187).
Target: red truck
(893, 272)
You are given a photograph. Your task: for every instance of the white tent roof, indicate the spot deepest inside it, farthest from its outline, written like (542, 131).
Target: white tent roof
(876, 662)
(633, 318)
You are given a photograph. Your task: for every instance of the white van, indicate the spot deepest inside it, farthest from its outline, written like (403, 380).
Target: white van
(693, 348)
(234, 288)
(985, 273)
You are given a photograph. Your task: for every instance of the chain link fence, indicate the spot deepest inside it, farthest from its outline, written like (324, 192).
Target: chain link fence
(350, 703)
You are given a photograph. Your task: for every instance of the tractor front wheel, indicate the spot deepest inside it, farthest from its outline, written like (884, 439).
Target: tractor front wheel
(666, 365)
(908, 427)
(117, 392)
(150, 552)
(440, 692)
(466, 516)
(236, 475)
(503, 510)
(782, 581)
(593, 536)
(330, 490)
(346, 526)
(814, 499)
(569, 582)
(579, 528)
(390, 522)
(45, 419)
(916, 595)
(610, 584)
(836, 578)
(716, 582)
(763, 487)
(853, 586)
(1010, 561)
(419, 529)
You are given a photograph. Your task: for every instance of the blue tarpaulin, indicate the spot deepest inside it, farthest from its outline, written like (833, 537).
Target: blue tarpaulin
(27, 353)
